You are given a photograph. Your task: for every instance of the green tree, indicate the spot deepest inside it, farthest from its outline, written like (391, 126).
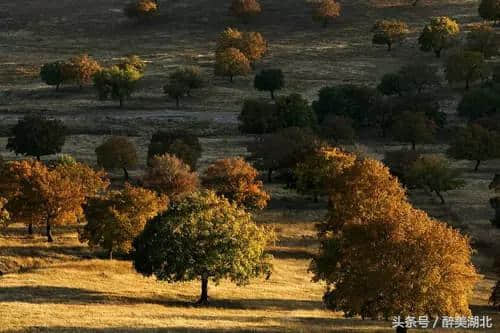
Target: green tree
(411, 79)
(338, 128)
(185, 146)
(434, 173)
(53, 73)
(176, 90)
(489, 10)
(479, 103)
(269, 80)
(132, 61)
(117, 83)
(388, 32)
(475, 143)
(113, 220)
(117, 152)
(465, 66)
(191, 77)
(482, 38)
(294, 111)
(257, 117)
(414, 128)
(399, 162)
(203, 237)
(35, 135)
(438, 35)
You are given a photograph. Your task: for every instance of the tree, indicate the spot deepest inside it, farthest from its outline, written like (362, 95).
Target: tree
(203, 237)
(237, 181)
(269, 80)
(132, 61)
(482, 38)
(294, 111)
(434, 173)
(40, 196)
(81, 69)
(338, 128)
(475, 143)
(438, 35)
(113, 220)
(231, 62)
(184, 145)
(380, 257)
(169, 175)
(257, 117)
(53, 73)
(283, 150)
(319, 169)
(411, 79)
(4, 214)
(117, 83)
(35, 135)
(489, 10)
(189, 76)
(414, 128)
(140, 10)
(251, 44)
(479, 103)
(325, 11)
(175, 89)
(117, 152)
(465, 66)
(399, 162)
(355, 102)
(388, 32)
(245, 9)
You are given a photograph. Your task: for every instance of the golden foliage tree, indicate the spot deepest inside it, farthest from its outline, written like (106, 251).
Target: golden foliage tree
(236, 180)
(41, 196)
(438, 35)
(140, 10)
(245, 9)
(325, 11)
(81, 69)
(116, 218)
(231, 62)
(169, 175)
(251, 44)
(380, 257)
(388, 32)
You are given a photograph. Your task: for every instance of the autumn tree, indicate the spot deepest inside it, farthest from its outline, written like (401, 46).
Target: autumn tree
(81, 69)
(465, 66)
(389, 32)
(132, 61)
(245, 9)
(140, 10)
(435, 174)
(414, 128)
(482, 38)
(114, 219)
(251, 44)
(203, 237)
(269, 80)
(378, 254)
(184, 145)
(117, 152)
(475, 143)
(46, 197)
(338, 128)
(231, 62)
(169, 175)
(36, 135)
(4, 214)
(319, 169)
(489, 10)
(283, 150)
(257, 117)
(438, 35)
(325, 11)
(479, 103)
(237, 181)
(116, 82)
(53, 73)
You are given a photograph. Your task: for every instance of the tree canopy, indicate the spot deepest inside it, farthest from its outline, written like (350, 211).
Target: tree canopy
(117, 152)
(438, 35)
(388, 32)
(184, 145)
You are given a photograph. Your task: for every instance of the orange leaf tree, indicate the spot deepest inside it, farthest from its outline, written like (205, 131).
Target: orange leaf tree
(231, 62)
(326, 11)
(245, 9)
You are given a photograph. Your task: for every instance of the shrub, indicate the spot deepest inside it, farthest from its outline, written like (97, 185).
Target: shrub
(169, 175)
(237, 181)
(388, 32)
(325, 11)
(230, 63)
(35, 135)
(245, 9)
(269, 80)
(227, 243)
(117, 152)
(438, 35)
(53, 73)
(184, 145)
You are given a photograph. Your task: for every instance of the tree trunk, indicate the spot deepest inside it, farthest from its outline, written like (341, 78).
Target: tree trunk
(467, 84)
(57, 86)
(389, 47)
(30, 229)
(49, 232)
(413, 145)
(440, 197)
(272, 94)
(125, 174)
(177, 102)
(204, 291)
(121, 102)
(38, 157)
(477, 165)
(110, 254)
(270, 175)
(231, 78)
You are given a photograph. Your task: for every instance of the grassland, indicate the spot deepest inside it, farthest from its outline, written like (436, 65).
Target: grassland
(65, 287)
